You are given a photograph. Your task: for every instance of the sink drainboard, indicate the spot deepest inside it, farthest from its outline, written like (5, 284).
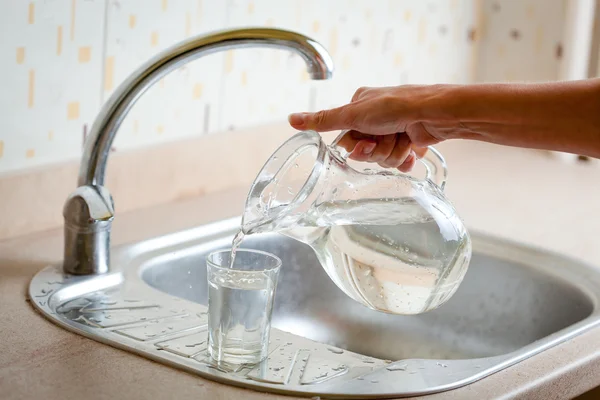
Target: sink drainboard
(122, 310)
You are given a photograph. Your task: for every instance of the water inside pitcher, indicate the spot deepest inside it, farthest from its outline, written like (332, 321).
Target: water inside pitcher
(388, 240)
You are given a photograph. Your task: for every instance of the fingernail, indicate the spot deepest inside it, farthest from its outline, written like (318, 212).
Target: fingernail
(296, 119)
(368, 148)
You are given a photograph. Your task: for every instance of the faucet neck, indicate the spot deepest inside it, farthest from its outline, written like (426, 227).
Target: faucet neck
(114, 111)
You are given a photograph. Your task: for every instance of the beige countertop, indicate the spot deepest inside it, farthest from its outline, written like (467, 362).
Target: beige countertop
(527, 196)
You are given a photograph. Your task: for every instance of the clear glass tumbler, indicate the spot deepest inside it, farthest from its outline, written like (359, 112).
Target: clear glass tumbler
(240, 304)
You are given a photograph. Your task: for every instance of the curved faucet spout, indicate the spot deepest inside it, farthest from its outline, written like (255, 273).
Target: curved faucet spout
(112, 114)
(89, 210)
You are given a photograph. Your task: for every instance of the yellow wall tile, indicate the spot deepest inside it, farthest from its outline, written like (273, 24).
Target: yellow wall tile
(250, 7)
(397, 59)
(31, 14)
(199, 12)
(501, 50)
(160, 129)
(154, 39)
(539, 39)
(407, 15)
(59, 40)
(73, 110)
(1, 148)
(30, 153)
(304, 75)
(20, 55)
(132, 21)
(188, 24)
(228, 66)
(72, 28)
(432, 49)
(333, 41)
(244, 79)
(109, 73)
(164, 5)
(316, 26)
(530, 11)
(422, 34)
(31, 89)
(346, 62)
(51, 135)
(85, 54)
(197, 91)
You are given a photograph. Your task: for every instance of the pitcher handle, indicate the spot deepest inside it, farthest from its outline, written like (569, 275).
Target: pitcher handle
(435, 164)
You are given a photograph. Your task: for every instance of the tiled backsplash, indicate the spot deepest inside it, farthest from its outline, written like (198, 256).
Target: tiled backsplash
(61, 59)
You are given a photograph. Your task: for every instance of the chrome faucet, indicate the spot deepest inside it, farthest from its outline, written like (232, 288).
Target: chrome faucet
(89, 210)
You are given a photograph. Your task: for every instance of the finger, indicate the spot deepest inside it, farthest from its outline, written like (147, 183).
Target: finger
(359, 93)
(409, 163)
(385, 146)
(420, 151)
(363, 150)
(351, 139)
(402, 149)
(325, 120)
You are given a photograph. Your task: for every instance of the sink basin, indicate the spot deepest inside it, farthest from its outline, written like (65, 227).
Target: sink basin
(514, 302)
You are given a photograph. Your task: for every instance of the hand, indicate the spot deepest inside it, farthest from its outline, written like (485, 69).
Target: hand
(386, 125)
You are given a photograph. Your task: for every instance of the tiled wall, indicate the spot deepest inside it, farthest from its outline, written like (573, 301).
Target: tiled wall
(61, 59)
(520, 40)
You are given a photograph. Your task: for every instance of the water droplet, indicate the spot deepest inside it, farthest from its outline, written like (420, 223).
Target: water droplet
(194, 344)
(441, 364)
(277, 368)
(374, 381)
(339, 368)
(296, 165)
(335, 350)
(368, 361)
(108, 302)
(397, 367)
(360, 378)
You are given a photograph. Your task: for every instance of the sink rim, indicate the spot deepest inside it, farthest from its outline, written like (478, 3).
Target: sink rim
(581, 275)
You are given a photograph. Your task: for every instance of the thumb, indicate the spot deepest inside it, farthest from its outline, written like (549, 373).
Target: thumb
(324, 120)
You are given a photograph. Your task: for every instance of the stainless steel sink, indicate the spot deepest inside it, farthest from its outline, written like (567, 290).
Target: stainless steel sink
(515, 302)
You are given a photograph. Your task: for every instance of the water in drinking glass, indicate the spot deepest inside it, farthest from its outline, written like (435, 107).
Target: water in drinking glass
(240, 305)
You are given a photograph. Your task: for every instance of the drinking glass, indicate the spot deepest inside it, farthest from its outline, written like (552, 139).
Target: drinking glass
(240, 304)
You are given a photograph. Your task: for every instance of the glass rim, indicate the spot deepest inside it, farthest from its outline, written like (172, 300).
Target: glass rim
(242, 250)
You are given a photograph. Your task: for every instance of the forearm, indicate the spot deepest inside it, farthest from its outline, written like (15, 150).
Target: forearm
(562, 116)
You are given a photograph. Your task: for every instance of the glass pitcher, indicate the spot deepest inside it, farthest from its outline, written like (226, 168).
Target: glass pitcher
(388, 240)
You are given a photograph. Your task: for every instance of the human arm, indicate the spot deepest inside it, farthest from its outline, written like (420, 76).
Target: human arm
(391, 125)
